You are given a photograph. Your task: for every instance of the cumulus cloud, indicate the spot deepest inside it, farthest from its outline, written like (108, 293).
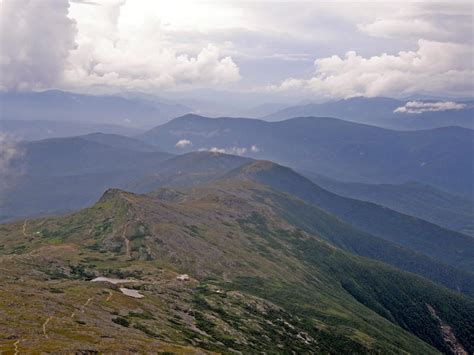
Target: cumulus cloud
(102, 44)
(36, 38)
(420, 107)
(183, 143)
(435, 67)
(141, 45)
(122, 46)
(230, 150)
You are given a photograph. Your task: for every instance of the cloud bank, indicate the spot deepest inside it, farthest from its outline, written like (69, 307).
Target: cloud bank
(36, 38)
(106, 45)
(433, 67)
(417, 107)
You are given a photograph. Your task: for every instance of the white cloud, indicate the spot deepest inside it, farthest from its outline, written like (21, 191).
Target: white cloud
(183, 143)
(36, 38)
(125, 44)
(111, 44)
(231, 150)
(435, 67)
(150, 46)
(423, 20)
(215, 150)
(403, 27)
(254, 149)
(420, 107)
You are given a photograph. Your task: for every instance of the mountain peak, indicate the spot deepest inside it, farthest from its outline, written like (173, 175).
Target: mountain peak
(191, 116)
(257, 167)
(114, 194)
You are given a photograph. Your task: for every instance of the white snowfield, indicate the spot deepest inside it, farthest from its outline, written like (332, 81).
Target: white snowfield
(131, 293)
(112, 281)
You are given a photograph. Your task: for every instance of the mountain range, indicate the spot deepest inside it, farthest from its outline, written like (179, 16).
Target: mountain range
(64, 174)
(31, 130)
(68, 107)
(49, 184)
(224, 235)
(386, 112)
(335, 148)
(412, 198)
(256, 281)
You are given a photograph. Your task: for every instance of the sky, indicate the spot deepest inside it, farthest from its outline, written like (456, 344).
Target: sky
(323, 50)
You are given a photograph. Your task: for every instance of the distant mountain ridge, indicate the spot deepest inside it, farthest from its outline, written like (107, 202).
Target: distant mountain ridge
(80, 155)
(31, 130)
(413, 198)
(64, 174)
(70, 107)
(382, 111)
(120, 142)
(335, 148)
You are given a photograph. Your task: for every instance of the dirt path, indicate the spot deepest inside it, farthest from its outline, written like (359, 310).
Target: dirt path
(83, 307)
(73, 314)
(15, 344)
(45, 324)
(110, 296)
(44, 327)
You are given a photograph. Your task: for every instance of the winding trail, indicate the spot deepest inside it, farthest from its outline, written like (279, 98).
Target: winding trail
(15, 344)
(110, 296)
(44, 327)
(83, 308)
(73, 314)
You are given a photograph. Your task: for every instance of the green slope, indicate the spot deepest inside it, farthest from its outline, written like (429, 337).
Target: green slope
(416, 199)
(258, 283)
(446, 246)
(316, 221)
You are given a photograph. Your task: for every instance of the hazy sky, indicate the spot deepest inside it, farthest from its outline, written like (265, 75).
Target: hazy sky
(325, 50)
